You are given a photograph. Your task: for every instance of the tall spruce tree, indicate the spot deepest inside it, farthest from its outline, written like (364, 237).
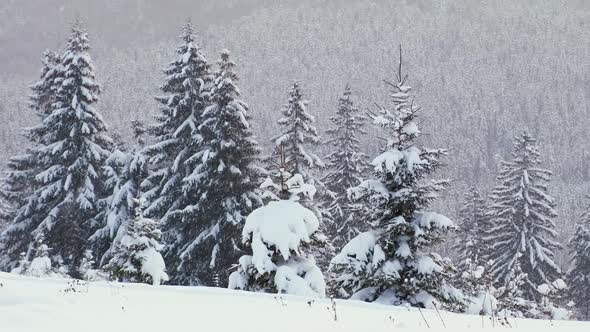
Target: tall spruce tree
(71, 147)
(178, 141)
(346, 166)
(298, 136)
(579, 272)
(394, 262)
(522, 214)
(297, 139)
(227, 183)
(19, 181)
(177, 138)
(470, 243)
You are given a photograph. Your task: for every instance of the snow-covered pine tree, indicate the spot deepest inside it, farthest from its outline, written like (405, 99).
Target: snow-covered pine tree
(298, 136)
(280, 236)
(297, 139)
(173, 156)
(476, 283)
(394, 262)
(346, 166)
(125, 173)
(226, 183)
(473, 226)
(19, 181)
(553, 304)
(15, 188)
(579, 272)
(71, 147)
(41, 264)
(176, 135)
(511, 299)
(522, 214)
(136, 257)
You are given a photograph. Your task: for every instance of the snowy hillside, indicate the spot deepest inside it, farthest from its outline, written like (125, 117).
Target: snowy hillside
(30, 304)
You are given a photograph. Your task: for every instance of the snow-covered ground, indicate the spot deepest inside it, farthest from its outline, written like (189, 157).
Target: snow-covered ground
(31, 304)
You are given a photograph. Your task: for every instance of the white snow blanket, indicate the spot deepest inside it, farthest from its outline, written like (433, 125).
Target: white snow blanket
(48, 305)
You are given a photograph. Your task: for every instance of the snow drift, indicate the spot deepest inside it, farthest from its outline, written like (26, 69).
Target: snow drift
(31, 304)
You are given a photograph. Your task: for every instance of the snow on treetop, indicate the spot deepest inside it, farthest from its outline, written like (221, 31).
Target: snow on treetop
(389, 161)
(282, 224)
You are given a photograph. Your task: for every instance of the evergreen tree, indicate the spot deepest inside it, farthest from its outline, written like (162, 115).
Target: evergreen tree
(280, 236)
(136, 257)
(473, 226)
(71, 147)
(226, 186)
(299, 135)
(476, 282)
(522, 214)
(125, 173)
(176, 134)
(394, 262)
(347, 166)
(512, 302)
(87, 265)
(41, 264)
(19, 182)
(178, 141)
(579, 272)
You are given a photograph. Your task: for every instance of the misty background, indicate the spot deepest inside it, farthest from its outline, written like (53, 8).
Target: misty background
(481, 70)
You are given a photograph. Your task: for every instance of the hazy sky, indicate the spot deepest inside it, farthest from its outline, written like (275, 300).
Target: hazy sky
(28, 27)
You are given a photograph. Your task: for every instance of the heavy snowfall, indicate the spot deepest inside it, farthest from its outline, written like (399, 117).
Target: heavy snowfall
(354, 165)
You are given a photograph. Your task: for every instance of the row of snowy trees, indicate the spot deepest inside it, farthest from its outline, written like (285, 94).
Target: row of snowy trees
(196, 203)
(178, 200)
(513, 235)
